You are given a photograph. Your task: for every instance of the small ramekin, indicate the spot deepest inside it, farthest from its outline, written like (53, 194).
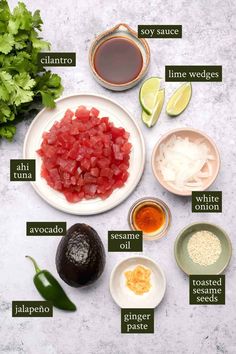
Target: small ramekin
(120, 30)
(159, 233)
(192, 134)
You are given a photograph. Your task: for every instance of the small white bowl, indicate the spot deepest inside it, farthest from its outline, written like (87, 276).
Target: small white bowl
(192, 134)
(124, 297)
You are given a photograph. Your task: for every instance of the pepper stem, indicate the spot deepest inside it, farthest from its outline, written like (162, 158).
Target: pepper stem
(34, 263)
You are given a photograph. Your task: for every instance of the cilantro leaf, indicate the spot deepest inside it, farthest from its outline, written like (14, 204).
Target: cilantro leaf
(49, 86)
(16, 89)
(54, 80)
(8, 132)
(4, 94)
(6, 43)
(22, 96)
(23, 16)
(47, 99)
(6, 85)
(21, 40)
(38, 43)
(23, 80)
(4, 11)
(37, 21)
(5, 113)
(49, 82)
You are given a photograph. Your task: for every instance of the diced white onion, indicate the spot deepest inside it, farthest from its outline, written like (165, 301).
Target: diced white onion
(184, 163)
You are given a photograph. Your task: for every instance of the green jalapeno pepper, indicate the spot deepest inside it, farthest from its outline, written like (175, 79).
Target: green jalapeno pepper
(50, 289)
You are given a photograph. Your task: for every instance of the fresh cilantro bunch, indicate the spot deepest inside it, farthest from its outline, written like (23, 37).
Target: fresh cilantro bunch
(24, 85)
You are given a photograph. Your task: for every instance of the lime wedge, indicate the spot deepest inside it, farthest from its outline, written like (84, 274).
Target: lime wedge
(151, 119)
(179, 100)
(148, 93)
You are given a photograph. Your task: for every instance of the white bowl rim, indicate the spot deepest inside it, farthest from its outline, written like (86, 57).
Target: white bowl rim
(169, 133)
(139, 257)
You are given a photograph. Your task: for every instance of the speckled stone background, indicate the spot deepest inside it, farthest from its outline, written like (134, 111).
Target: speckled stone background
(208, 38)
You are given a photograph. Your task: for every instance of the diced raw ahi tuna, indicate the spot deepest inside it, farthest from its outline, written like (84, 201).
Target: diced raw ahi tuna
(84, 156)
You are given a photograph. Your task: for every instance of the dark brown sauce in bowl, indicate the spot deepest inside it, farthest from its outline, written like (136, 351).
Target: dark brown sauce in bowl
(118, 60)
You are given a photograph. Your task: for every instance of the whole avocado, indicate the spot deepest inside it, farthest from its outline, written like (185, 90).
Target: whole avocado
(80, 257)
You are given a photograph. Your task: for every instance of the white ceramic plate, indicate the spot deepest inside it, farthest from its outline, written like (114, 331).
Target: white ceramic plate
(124, 297)
(120, 117)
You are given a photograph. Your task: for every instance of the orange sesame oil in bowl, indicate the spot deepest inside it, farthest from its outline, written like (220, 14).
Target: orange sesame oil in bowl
(151, 216)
